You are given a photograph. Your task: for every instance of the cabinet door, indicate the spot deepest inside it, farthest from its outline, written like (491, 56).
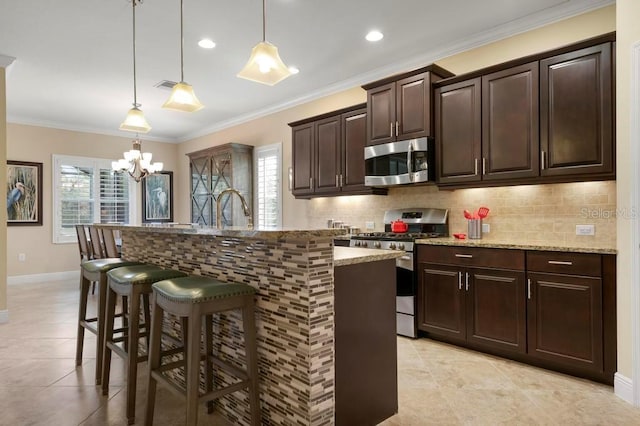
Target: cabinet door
(458, 132)
(496, 309)
(565, 319)
(327, 154)
(510, 142)
(381, 110)
(201, 197)
(441, 301)
(354, 139)
(576, 117)
(413, 113)
(302, 151)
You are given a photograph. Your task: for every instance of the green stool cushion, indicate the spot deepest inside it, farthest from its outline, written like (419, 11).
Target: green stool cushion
(197, 289)
(104, 265)
(142, 274)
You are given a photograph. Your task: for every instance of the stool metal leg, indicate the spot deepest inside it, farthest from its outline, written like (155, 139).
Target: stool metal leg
(132, 354)
(108, 332)
(155, 348)
(102, 302)
(82, 315)
(208, 372)
(248, 324)
(193, 366)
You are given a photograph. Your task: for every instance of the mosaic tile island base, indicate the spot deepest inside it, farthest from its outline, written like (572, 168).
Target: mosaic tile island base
(293, 274)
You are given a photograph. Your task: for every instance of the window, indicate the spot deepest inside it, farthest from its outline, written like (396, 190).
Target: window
(87, 191)
(268, 189)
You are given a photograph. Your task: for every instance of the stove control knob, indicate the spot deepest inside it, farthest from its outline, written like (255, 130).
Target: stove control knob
(377, 244)
(357, 243)
(392, 246)
(363, 244)
(401, 246)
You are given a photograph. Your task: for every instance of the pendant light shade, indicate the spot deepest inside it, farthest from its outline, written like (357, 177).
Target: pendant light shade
(135, 121)
(264, 65)
(182, 97)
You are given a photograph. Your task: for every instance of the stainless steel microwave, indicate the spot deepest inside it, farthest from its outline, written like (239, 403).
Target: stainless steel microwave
(399, 163)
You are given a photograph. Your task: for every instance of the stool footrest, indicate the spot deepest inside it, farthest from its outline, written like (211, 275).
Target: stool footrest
(237, 372)
(124, 354)
(225, 390)
(89, 326)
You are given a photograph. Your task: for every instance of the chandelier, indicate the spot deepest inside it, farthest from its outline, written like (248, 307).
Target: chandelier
(137, 163)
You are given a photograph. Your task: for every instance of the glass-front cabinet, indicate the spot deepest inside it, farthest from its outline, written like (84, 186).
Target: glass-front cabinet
(212, 171)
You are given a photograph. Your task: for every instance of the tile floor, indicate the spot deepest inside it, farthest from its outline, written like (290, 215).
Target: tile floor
(438, 384)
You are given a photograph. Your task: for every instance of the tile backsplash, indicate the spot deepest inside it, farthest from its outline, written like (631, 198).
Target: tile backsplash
(529, 213)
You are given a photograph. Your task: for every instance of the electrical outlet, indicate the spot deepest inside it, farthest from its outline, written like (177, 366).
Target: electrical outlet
(585, 230)
(369, 225)
(486, 228)
(22, 257)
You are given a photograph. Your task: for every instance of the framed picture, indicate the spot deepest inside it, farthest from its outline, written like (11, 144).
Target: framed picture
(157, 197)
(24, 193)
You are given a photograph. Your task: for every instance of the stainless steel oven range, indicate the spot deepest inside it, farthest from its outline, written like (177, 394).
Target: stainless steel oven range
(420, 223)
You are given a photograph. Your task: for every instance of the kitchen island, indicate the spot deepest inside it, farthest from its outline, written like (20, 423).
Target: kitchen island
(293, 272)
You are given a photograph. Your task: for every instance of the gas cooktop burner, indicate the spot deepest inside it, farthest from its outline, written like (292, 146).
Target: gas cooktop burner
(406, 236)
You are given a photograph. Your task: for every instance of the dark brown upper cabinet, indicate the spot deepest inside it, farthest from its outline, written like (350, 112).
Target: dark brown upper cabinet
(400, 107)
(328, 154)
(540, 119)
(576, 118)
(458, 131)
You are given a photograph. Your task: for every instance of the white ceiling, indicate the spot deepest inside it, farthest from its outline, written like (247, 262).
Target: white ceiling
(73, 66)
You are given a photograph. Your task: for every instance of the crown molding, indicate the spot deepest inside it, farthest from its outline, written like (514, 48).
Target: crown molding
(6, 61)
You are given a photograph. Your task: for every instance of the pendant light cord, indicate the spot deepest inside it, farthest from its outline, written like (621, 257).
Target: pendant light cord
(135, 98)
(264, 20)
(181, 43)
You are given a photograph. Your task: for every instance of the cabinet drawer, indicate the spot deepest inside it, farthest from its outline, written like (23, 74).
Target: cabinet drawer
(467, 256)
(565, 263)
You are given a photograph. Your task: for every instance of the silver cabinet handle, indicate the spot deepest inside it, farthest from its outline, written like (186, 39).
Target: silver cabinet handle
(560, 262)
(542, 160)
(529, 288)
(475, 163)
(341, 181)
(337, 181)
(397, 125)
(391, 129)
(311, 182)
(484, 166)
(468, 256)
(467, 281)
(459, 280)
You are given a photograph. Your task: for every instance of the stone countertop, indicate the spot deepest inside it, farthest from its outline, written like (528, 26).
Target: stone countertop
(488, 243)
(352, 255)
(231, 232)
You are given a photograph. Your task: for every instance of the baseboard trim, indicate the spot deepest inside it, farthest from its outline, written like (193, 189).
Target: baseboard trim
(39, 278)
(4, 316)
(623, 387)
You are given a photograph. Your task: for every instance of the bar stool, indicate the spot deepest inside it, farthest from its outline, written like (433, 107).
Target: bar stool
(133, 282)
(193, 297)
(92, 271)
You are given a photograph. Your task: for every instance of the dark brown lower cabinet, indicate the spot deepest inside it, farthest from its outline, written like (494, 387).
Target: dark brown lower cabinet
(565, 319)
(481, 306)
(366, 354)
(556, 310)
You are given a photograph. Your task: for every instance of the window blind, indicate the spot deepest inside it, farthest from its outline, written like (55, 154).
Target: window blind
(87, 191)
(268, 199)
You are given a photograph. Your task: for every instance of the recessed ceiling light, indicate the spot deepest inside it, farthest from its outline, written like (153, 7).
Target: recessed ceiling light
(205, 43)
(374, 35)
(294, 70)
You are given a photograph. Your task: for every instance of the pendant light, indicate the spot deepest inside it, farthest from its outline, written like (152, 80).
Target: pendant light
(264, 65)
(182, 97)
(135, 121)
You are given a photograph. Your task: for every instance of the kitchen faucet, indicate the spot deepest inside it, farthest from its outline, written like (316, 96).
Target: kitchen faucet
(245, 208)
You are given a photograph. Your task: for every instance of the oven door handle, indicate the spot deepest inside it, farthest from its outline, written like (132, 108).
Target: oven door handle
(405, 258)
